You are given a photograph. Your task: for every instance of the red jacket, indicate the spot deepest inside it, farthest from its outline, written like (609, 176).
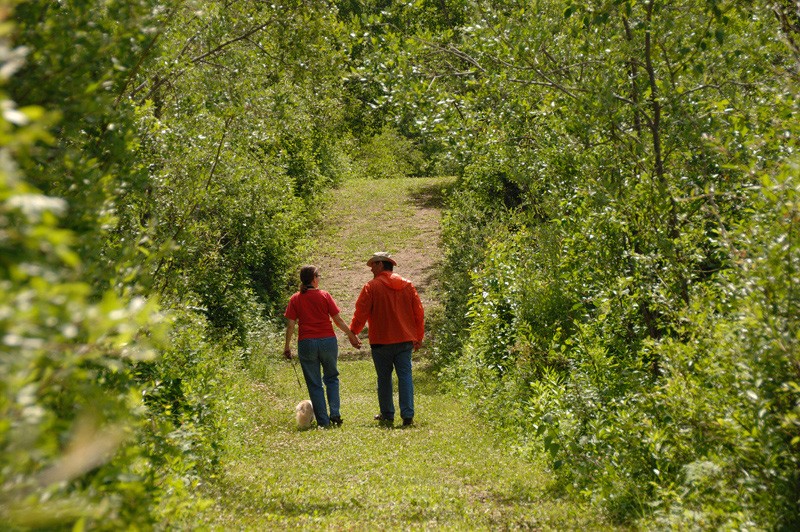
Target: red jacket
(392, 307)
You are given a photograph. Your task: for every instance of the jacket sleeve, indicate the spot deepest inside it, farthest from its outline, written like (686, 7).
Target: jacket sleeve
(361, 314)
(419, 316)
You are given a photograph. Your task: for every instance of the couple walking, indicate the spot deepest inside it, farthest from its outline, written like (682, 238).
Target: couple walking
(391, 307)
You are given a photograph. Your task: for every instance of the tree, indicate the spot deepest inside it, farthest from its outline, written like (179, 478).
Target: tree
(611, 147)
(162, 162)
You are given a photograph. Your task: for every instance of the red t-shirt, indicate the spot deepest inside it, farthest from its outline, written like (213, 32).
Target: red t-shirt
(312, 311)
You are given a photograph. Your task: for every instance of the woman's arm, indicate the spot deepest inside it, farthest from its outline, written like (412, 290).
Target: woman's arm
(354, 341)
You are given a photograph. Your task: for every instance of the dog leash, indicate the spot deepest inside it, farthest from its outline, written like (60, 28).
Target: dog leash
(296, 376)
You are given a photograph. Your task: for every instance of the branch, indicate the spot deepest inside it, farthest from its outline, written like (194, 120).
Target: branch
(135, 69)
(452, 50)
(547, 83)
(228, 43)
(200, 57)
(181, 225)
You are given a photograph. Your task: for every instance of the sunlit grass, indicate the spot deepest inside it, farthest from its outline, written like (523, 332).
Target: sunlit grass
(445, 472)
(374, 214)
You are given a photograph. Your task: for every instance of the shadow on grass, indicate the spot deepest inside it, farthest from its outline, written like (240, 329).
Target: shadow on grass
(432, 195)
(426, 380)
(348, 353)
(277, 504)
(429, 278)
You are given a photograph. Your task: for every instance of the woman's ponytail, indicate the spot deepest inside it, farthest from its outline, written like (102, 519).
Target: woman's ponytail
(307, 275)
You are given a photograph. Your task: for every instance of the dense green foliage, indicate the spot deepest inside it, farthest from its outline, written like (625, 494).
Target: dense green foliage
(161, 165)
(627, 224)
(622, 242)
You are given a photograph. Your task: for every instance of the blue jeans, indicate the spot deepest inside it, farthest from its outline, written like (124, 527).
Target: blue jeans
(387, 357)
(313, 354)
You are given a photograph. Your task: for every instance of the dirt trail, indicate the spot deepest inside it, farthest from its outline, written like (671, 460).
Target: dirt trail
(401, 216)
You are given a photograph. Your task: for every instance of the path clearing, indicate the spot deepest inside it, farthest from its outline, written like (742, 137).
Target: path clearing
(401, 216)
(445, 473)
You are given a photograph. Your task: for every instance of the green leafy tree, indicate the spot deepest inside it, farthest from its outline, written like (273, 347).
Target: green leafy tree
(241, 131)
(609, 150)
(160, 157)
(69, 399)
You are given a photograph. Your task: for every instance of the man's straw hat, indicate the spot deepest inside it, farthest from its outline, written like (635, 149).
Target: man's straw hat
(381, 256)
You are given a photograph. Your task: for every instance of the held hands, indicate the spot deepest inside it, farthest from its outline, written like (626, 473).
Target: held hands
(354, 340)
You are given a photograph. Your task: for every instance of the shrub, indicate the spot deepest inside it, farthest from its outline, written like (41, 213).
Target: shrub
(388, 154)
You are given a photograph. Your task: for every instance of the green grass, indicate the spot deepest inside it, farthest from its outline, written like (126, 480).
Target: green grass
(446, 472)
(368, 213)
(376, 214)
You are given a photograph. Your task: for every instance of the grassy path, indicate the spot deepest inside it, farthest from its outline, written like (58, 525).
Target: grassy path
(446, 472)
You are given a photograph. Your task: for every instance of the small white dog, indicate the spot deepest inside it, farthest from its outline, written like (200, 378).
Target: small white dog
(305, 414)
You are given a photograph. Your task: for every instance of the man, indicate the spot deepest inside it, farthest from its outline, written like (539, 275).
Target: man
(393, 310)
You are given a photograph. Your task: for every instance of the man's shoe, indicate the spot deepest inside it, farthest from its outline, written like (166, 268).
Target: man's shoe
(336, 421)
(408, 421)
(384, 421)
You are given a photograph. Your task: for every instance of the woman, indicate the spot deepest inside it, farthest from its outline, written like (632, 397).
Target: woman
(313, 309)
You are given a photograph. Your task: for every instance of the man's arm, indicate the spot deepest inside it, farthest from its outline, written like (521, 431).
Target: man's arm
(363, 306)
(354, 341)
(419, 319)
